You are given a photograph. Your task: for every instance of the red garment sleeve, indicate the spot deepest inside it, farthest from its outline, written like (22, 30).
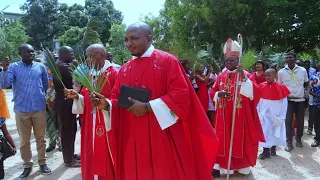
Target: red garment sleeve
(177, 97)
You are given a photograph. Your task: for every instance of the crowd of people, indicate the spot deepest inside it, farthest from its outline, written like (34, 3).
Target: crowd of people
(184, 130)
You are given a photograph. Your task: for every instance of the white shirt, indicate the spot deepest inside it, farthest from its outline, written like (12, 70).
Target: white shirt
(294, 80)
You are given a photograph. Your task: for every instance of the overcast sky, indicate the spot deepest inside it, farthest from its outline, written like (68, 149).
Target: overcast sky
(131, 9)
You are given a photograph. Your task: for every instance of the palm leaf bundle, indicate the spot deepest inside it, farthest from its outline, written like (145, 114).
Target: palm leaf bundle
(51, 62)
(83, 75)
(248, 59)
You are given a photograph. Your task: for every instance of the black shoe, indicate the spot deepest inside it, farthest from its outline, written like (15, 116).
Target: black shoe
(26, 172)
(215, 173)
(298, 142)
(289, 147)
(76, 157)
(265, 154)
(74, 164)
(45, 169)
(315, 143)
(50, 148)
(273, 151)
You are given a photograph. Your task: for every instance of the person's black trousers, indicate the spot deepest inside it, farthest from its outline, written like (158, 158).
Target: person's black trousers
(316, 115)
(296, 108)
(68, 130)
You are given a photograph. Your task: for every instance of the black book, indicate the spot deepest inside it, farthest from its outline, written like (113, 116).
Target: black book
(139, 94)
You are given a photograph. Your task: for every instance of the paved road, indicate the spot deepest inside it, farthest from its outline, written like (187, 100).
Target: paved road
(13, 165)
(301, 163)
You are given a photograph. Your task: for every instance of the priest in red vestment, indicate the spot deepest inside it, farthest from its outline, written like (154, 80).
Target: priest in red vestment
(169, 137)
(247, 130)
(97, 147)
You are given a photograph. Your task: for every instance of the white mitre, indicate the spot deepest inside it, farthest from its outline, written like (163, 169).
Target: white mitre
(231, 48)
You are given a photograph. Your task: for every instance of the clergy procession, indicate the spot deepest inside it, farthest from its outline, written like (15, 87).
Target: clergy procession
(154, 118)
(157, 117)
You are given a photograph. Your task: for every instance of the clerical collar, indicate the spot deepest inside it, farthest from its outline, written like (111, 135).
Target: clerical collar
(233, 71)
(148, 53)
(106, 65)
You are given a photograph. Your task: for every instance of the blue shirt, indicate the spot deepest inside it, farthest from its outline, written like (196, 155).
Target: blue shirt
(315, 87)
(30, 84)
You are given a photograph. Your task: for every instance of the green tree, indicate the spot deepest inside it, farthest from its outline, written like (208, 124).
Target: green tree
(92, 33)
(103, 12)
(12, 36)
(41, 21)
(72, 37)
(117, 45)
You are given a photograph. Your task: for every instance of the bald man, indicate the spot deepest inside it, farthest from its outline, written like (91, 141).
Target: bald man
(63, 108)
(168, 137)
(96, 161)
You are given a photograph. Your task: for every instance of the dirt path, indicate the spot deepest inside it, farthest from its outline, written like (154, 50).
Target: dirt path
(301, 163)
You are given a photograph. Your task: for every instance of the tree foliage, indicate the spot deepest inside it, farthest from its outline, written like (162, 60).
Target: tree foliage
(268, 26)
(117, 46)
(12, 35)
(47, 20)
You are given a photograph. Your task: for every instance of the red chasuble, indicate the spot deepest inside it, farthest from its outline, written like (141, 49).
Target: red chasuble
(203, 94)
(184, 151)
(247, 131)
(273, 91)
(97, 149)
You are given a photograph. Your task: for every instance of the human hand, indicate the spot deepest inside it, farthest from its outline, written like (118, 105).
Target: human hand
(99, 101)
(71, 94)
(48, 102)
(240, 70)
(138, 108)
(223, 94)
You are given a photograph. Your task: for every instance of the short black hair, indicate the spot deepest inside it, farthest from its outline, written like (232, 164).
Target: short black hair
(291, 54)
(261, 62)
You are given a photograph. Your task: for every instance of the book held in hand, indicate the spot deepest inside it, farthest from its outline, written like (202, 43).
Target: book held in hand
(139, 94)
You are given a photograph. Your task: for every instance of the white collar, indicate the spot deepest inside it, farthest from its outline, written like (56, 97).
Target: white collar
(234, 71)
(295, 66)
(106, 65)
(148, 53)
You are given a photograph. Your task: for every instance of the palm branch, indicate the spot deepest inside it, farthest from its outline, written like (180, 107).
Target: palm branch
(248, 59)
(53, 66)
(51, 131)
(83, 75)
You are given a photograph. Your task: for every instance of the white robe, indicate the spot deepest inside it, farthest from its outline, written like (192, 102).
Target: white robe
(272, 114)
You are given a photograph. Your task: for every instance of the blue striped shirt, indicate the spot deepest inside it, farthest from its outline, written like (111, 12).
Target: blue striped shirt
(30, 83)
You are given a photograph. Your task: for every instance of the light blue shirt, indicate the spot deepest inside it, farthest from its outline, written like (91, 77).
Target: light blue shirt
(30, 84)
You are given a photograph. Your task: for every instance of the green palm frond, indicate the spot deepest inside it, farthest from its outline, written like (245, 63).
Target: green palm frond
(53, 66)
(248, 59)
(51, 131)
(82, 74)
